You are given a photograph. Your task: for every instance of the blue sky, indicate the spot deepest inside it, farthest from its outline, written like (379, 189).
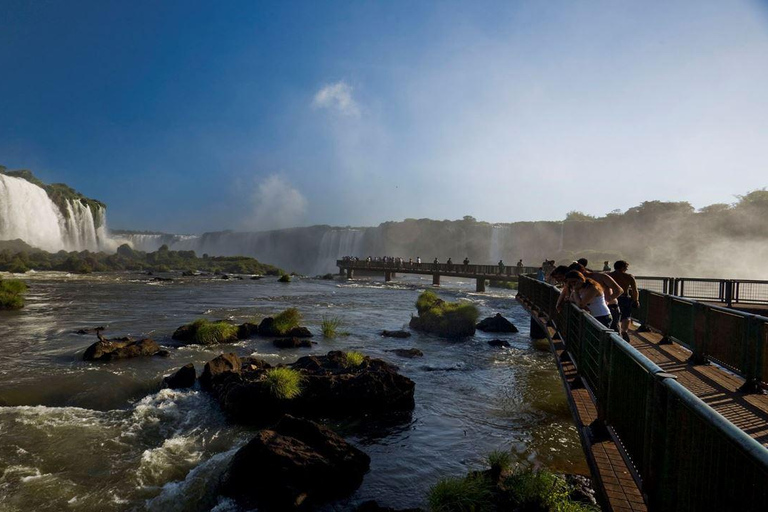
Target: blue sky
(192, 116)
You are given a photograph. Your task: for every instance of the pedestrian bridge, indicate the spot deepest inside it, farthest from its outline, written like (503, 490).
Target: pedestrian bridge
(480, 273)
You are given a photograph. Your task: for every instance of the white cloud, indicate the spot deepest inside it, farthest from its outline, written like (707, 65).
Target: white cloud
(276, 204)
(337, 97)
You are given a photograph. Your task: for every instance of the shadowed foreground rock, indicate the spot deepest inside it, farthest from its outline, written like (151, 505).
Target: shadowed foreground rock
(294, 466)
(329, 387)
(395, 334)
(122, 348)
(407, 352)
(292, 343)
(496, 323)
(185, 377)
(499, 343)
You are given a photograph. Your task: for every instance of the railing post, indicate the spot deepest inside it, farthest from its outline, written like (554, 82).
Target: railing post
(700, 338)
(666, 340)
(749, 355)
(659, 478)
(728, 292)
(643, 295)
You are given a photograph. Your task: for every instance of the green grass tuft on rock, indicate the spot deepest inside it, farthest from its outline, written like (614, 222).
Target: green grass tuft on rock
(284, 383)
(285, 278)
(353, 359)
(500, 461)
(541, 490)
(11, 293)
(450, 319)
(210, 333)
(287, 320)
(470, 494)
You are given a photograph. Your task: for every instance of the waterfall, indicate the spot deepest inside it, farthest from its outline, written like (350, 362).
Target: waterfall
(26, 212)
(498, 244)
(334, 245)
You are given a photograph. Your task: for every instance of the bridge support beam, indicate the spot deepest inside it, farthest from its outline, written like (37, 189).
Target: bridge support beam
(537, 333)
(435, 279)
(480, 285)
(388, 276)
(350, 273)
(341, 272)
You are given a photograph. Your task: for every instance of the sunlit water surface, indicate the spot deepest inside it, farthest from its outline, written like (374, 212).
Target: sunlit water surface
(100, 437)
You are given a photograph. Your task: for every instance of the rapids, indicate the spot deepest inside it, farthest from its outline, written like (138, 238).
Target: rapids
(94, 437)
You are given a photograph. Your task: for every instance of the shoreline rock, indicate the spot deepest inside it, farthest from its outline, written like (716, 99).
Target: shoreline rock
(496, 323)
(183, 378)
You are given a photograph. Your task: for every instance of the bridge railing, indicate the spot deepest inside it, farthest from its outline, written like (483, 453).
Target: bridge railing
(727, 291)
(728, 337)
(438, 268)
(686, 455)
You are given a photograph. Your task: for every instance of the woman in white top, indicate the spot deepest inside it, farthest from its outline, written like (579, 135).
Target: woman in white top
(588, 294)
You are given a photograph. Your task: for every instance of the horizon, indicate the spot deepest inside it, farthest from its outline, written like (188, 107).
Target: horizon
(192, 118)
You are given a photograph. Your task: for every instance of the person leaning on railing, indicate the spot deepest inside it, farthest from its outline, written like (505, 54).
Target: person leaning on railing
(588, 295)
(629, 299)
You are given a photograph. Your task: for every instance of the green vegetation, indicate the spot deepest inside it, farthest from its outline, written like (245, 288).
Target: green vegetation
(285, 278)
(450, 319)
(501, 488)
(505, 285)
(283, 383)
(17, 256)
(287, 320)
(473, 493)
(353, 359)
(211, 333)
(330, 326)
(11, 294)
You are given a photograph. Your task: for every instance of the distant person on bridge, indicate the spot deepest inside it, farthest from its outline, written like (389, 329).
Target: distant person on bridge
(501, 267)
(606, 267)
(450, 264)
(540, 275)
(588, 295)
(436, 262)
(418, 260)
(629, 298)
(466, 262)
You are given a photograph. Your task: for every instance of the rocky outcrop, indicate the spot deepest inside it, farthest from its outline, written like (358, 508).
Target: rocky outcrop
(294, 466)
(122, 348)
(185, 377)
(395, 334)
(499, 343)
(267, 328)
(496, 323)
(330, 386)
(292, 343)
(247, 330)
(407, 352)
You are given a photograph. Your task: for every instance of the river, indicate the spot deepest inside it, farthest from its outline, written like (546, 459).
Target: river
(104, 437)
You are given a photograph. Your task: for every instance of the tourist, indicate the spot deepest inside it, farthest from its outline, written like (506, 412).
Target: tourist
(583, 262)
(418, 260)
(606, 267)
(540, 274)
(588, 295)
(629, 298)
(611, 289)
(450, 264)
(436, 262)
(466, 262)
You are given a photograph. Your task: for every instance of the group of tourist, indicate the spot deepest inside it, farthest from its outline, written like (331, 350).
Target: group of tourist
(608, 296)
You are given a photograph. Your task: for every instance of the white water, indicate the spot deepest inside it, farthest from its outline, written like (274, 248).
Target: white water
(27, 213)
(499, 249)
(336, 244)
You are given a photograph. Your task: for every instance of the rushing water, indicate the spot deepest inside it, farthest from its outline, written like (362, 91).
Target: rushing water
(86, 436)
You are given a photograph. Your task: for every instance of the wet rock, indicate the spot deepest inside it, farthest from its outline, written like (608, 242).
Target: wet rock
(184, 333)
(164, 353)
(407, 352)
(189, 273)
(247, 330)
(120, 348)
(499, 343)
(330, 387)
(299, 332)
(373, 506)
(256, 278)
(185, 377)
(90, 330)
(292, 343)
(219, 367)
(267, 328)
(162, 279)
(581, 489)
(294, 466)
(396, 334)
(496, 323)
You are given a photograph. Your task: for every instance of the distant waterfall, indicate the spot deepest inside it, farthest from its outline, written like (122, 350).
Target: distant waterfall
(498, 249)
(26, 212)
(334, 245)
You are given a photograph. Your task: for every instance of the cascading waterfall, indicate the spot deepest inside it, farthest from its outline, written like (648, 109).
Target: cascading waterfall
(498, 244)
(27, 213)
(334, 245)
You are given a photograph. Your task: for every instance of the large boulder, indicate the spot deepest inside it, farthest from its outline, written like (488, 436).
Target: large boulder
(330, 386)
(294, 466)
(122, 348)
(496, 323)
(185, 377)
(247, 330)
(407, 352)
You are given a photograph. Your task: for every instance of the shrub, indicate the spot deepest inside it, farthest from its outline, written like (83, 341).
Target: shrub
(285, 278)
(451, 319)
(500, 461)
(330, 326)
(353, 359)
(11, 294)
(210, 333)
(283, 383)
(287, 320)
(470, 494)
(541, 490)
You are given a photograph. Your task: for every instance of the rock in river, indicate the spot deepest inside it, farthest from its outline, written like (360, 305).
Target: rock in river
(294, 466)
(292, 343)
(123, 348)
(496, 323)
(395, 334)
(185, 377)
